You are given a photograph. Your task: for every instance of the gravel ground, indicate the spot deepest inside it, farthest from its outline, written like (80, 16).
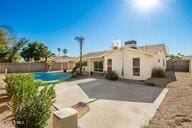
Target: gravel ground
(176, 109)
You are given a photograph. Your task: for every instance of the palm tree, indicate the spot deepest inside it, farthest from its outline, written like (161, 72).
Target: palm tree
(64, 51)
(80, 40)
(59, 50)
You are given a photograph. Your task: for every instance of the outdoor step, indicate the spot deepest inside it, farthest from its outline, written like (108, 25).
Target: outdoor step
(87, 101)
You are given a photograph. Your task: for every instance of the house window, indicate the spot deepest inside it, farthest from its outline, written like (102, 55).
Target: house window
(98, 66)
(109, 65)
(136, 66)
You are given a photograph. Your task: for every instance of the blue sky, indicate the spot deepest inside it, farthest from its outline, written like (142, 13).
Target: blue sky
(57, 22)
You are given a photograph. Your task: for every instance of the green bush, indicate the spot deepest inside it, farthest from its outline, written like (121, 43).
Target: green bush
(150, 83)
(158, 72)
(31, 105)
(77, 65)
(111, 75)
(15, 81)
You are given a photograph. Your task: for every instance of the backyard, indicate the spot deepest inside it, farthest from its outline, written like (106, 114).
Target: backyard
(118, 98)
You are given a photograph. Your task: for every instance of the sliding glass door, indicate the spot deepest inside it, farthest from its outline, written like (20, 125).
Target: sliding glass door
(98, 66)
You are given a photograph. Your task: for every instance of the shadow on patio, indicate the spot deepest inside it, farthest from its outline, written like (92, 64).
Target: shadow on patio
(117, 90)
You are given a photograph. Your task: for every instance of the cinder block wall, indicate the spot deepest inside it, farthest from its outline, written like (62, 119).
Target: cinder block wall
(31, 67)
(178, 65)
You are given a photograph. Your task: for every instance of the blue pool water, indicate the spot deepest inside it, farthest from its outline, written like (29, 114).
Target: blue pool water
(52, 76)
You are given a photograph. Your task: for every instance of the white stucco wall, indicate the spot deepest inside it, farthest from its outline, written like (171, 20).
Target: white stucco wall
(147, 63)
(161, 56)
(116, 57)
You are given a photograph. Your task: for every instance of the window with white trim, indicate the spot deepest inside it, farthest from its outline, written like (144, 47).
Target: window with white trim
(98, 66)
(109, 65)
(136, 66)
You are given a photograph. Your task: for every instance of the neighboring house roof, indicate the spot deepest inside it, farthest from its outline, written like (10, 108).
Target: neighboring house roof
(154, 48)
(95, 54)
(61, 59)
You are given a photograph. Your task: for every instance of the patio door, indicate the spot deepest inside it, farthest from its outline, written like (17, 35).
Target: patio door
(98, 66)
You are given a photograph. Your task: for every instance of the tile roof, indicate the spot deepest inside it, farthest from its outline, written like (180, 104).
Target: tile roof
(153, 48)
(60, 59)
(148, 48)
(95, 54)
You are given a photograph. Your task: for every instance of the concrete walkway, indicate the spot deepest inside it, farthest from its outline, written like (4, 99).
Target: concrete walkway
(118, 104)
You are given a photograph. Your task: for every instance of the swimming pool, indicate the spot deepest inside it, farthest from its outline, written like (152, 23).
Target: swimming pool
(52, 77)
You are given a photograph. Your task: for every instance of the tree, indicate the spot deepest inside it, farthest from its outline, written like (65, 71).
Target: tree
(179, 56)
(10, 45)
(3, 44)
(64, 51)
(80, 40)
(59, 50)
(14, 51)
(35, 51)
(46, 53)
(3, 36)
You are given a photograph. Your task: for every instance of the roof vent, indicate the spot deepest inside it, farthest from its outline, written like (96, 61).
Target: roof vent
(116, 44)
(131, 44)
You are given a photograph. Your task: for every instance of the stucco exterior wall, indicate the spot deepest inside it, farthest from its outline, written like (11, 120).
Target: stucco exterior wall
(122, 63)
(116, 57)
(122, 60)
(158, 60)
(146, 65)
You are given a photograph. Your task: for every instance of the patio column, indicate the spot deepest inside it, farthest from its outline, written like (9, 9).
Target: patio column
(190, 66)
(62, 65)
(89, 67)
(67, 64)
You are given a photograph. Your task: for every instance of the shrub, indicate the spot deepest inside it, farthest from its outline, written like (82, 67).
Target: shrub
(36, 109)
(77, 65)
(15, 81)
(30, 105)
(111, 76)
(150, 83)
(158, 72)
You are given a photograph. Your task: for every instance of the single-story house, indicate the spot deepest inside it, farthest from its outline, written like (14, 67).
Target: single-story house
(129, 61)
(65, 62)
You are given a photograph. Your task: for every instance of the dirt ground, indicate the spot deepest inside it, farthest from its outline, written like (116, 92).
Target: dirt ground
(176, 109)
(5, 114)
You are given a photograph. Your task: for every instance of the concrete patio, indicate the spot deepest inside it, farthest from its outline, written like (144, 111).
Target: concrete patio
(117, 105)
